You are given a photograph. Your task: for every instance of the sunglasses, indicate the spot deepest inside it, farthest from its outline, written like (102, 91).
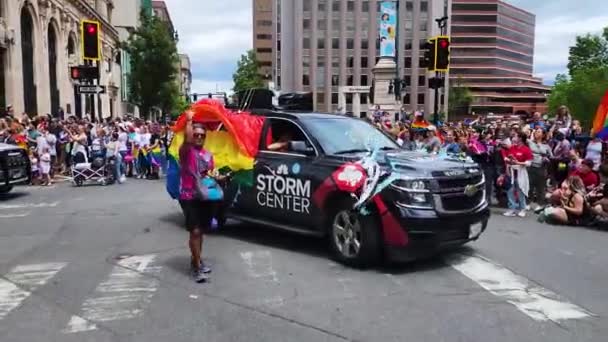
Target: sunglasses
(199, 135)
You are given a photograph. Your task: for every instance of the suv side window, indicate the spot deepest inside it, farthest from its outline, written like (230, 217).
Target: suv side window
(280, 133)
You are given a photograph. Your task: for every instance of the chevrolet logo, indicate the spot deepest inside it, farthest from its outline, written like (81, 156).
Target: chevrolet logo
(470, 190)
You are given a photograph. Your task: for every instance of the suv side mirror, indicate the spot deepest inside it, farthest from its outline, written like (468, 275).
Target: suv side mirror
(301, 147)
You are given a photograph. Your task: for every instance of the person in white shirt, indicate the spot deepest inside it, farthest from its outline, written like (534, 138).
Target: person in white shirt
(144, 143)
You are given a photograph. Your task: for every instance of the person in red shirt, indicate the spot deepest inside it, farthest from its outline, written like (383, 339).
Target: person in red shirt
(518, 159)
(585, 172)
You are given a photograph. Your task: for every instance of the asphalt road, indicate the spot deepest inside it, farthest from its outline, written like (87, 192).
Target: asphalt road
(110, 264)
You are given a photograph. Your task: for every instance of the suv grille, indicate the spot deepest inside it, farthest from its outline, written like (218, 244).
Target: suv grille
(457, 183)
(13, 159)
(450, 196)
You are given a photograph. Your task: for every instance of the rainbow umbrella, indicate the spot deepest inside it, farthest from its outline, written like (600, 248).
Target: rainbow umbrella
(600, 123)
(234, 147)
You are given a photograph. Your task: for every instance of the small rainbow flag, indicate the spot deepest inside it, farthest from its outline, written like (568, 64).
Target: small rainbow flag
(234, 146)
(600, 123)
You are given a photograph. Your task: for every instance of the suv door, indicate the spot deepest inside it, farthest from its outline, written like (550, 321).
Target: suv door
(284, 180)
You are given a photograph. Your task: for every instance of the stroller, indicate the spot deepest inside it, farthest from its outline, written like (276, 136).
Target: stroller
(100, 169)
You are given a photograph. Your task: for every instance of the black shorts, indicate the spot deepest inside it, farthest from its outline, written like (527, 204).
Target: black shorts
(199, 214)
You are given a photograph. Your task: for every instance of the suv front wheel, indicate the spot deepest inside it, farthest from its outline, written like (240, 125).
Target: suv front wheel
(355, 239)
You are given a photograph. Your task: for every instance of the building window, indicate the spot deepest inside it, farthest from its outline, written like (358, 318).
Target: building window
(335, 80)
(320, 98)
(408, 44)
(424, 6)
(320, 61)
(306, 61)
(266, 63)
(321, 6)
(421, 98)
(264, 36)
(335, 5)
(350, 43)
(364, 62)
(349, 80)
(365, 6)
(336, 24)
(350, 62)
(321, 43)
(306, 24)
(334, 98)
(350, 6)
(264, 23)
(423, 25)
(307, 6)
(306, 43)
(409, 6)
(305, 80)
(406, 98)
(421, 81)
(264, 50)
(363, 80)
(322, 24)
(407, 61)
(335, 43)
(364, 44)
(335, 62)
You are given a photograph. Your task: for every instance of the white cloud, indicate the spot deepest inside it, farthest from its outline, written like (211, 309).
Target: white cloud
(203, 86)
(555, 35)
(214, 34)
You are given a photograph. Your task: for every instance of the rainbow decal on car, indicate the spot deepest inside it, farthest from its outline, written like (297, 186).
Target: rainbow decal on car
(232, 138)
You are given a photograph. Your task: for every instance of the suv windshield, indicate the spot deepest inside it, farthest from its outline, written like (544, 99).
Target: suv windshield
(342, 135)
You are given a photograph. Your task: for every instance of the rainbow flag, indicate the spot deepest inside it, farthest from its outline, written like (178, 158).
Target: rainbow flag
(600, 123)
(234, 146)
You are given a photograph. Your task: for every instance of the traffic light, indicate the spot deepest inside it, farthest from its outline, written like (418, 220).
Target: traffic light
(84, 72)
(194, 97)
(91, 45)
(430, 52)
(442, 62)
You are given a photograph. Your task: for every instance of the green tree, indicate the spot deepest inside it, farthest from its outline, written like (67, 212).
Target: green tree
(154, 61)
(246, 75)
(180, 106)
(582, 92)
(459, 98)
(589, 51)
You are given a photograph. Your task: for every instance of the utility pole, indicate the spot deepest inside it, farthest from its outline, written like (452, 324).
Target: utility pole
(439, 75)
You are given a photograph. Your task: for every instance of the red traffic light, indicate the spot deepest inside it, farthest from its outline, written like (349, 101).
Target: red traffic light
(444, 44)
(75, 73)
(91, 29)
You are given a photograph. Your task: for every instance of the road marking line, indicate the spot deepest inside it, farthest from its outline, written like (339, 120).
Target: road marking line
(28, 276)
(122, 296)
(259, 264)
(16, 215)
(538, 303)
(28, 205)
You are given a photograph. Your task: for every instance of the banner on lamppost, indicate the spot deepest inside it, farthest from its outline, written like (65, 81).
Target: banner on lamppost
(387, 25)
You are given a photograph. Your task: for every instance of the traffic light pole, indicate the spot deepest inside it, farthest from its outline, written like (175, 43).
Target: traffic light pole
(442, 23)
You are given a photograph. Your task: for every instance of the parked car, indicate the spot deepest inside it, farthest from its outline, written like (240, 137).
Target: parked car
(14, 167)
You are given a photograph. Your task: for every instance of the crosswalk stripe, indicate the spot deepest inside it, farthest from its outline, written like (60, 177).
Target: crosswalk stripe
(538, 303)
(16, 215)
(28, 205)
(29, 276)
(122, 296)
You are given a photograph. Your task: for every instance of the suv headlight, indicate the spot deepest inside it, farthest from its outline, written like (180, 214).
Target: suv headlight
(416, 193)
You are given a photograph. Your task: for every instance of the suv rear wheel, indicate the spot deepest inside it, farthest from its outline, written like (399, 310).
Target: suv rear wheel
(355, 239)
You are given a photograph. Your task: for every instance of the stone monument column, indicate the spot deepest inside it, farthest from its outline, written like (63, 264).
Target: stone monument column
(384, 73)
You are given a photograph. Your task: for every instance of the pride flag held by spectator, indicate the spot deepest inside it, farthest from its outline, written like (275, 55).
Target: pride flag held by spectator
(600, 123)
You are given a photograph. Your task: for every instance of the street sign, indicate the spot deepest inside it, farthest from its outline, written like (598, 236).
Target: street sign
(91, 89)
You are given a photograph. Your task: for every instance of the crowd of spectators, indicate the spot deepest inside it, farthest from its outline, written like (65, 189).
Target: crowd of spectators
(550, 166)
(55, 145)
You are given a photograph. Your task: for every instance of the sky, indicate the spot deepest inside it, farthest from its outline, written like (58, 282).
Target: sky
(215, 33)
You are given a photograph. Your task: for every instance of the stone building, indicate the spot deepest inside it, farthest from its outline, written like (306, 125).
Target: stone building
(39, 41)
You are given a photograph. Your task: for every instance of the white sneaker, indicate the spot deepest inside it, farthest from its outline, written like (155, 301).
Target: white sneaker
(528, 207)
(510, 213)
(122, 179)
(521, 213)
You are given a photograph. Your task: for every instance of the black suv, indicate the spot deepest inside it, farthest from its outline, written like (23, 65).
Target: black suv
(14, 167)
(422, 203)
